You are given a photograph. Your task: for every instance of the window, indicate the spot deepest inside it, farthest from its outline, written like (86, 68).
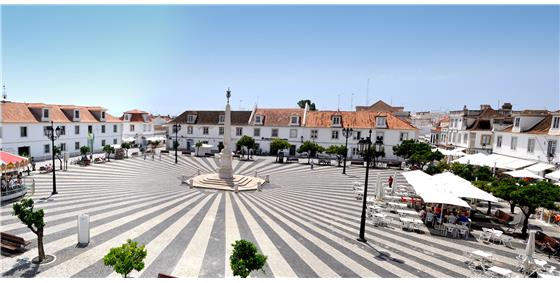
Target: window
(404, 136)
(221, 131)
(45, 113)
(499, 142)
(531, 145)
(76, 114)
(238, 131)
(205, 130)
(259, 119)
(103, 115)
(77, 130)
(221, 119)
(256, 132)
(127, 117)
(355, 151)
(23, 132)
(485, 140)
(102, 129)
(460, 138)
(336, 120)
(144, 128)
(465, 138)
(114, 141)
(551, 149)
(294, 120)
(62, 147)
(334, 135)
(380, 122)
(293, 133)
(517, 122)
(102, 142)
(47, 148)
(190, 119)
(114, 128)
(274, 133)
(556, 123)
(513, 145)
(357, 135)
(90, 129)
(314, 134)
(189, 130)
(77, 146)
(132, 128)
(62, 130)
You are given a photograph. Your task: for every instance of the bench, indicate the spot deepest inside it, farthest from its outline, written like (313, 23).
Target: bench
(546, 242)
(12, 242)
(161, 275)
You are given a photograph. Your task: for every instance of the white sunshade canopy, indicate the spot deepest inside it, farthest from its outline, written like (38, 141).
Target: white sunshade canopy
(156, 138)
(524, 173)
(478, 159)
(430, 190)
(495, 160)
(554, 175)
(129, 139)
(454, 152)
(462, 188)
(540, 167)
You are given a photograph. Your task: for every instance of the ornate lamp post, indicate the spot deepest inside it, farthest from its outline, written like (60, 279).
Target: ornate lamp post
(53, 134)
(378, 148)
(176, 129)
(364, 146)
(347, 132)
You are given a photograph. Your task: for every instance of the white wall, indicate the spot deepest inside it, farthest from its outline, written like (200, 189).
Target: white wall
(541, 146)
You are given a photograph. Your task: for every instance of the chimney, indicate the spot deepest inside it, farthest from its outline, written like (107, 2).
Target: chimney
(484, 106)
(305, 110)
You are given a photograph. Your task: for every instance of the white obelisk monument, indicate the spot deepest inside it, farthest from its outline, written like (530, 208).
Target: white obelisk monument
(226, 170)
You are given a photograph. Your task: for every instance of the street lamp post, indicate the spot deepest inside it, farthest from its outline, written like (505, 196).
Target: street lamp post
(550, 157)
(378, 148)
(347, 132)
(364, 146)
(176, 129)
(53, 134)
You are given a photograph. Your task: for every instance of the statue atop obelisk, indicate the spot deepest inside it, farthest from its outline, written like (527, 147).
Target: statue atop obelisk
(226, 170)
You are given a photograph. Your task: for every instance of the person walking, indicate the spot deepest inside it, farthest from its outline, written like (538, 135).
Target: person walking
(390, 181)
(311, 164)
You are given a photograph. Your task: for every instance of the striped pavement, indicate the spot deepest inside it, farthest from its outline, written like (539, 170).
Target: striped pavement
(306, 221)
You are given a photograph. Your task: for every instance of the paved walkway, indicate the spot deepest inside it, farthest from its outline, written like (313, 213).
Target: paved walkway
(306, 222)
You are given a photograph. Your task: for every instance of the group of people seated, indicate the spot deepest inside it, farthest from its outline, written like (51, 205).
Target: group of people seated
(10, 182)
(454, 216)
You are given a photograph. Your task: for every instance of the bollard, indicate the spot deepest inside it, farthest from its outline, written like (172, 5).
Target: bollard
(267, 178)
(198, 172)
(83, 229)
(255, 173)
(236, 188)
(259, 186)
(191, 183)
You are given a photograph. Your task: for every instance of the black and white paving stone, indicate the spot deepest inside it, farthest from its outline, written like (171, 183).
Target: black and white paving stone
(306, 221)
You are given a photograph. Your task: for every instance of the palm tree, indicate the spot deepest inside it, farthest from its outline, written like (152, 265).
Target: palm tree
(198, 145)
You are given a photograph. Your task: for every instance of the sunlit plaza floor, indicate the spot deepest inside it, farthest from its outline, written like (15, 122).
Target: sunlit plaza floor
(306, 221)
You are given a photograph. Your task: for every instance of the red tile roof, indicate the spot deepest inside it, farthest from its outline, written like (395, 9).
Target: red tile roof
(19, 112)
(135, 111)
(356, 119)
(278, 117)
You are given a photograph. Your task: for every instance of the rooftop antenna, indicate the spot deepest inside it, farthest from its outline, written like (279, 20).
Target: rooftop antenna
(338, 107)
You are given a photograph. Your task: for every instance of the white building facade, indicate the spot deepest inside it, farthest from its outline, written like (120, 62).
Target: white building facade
(23, 128)
(137, 124)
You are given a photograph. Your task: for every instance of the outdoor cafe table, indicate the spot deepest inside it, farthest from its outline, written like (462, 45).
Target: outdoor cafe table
(478, 254)
(407, 212)
(456, 227)
(412, 222)
(504, 272)
(396, 204)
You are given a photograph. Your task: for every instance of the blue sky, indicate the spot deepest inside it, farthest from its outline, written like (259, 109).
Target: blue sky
(166, 59)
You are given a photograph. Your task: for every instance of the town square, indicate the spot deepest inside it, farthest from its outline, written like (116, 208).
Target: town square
(183, 167)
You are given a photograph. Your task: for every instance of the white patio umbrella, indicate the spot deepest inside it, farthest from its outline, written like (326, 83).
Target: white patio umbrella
(524, 174)
(380, 191)
(529, 261)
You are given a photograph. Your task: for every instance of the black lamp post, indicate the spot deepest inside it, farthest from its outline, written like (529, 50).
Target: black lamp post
(378, 148)
(53, 134)
(364, 146)
(550, 157)
(347, 132)
(176, 129)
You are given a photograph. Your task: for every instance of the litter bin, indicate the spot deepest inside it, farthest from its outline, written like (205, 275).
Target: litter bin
(83, 229)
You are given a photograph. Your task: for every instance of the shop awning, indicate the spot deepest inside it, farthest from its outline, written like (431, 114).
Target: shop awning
(10, 161)
(540, 167)
(430, 190)
(524, 173)
(462, 188)
(554, 175)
